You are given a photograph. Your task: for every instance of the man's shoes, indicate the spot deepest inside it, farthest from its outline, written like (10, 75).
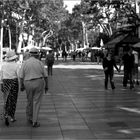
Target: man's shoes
(36, 124)
(13, 119)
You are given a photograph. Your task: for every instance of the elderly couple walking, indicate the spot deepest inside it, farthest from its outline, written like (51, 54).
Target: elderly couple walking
(31, 76)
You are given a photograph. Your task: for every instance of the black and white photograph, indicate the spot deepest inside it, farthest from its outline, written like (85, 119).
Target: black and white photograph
(69, 69)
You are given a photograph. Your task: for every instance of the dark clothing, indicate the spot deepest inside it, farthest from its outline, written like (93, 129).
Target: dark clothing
(108, 66)
(50, 62)
(10, 89)
(64, 55)
(50, 59)
(57, 55)
(109, 75)
(74, 56)
(127, 75)
(128, 61)
(50, 69)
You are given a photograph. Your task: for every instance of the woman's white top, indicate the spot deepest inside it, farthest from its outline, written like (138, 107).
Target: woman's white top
(9, 70)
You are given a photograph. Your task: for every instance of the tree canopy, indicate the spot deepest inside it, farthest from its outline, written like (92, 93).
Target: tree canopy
(42, 16)
(28, 15)
(114, 17)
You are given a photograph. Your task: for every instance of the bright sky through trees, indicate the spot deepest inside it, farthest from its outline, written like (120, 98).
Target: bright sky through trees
(70, 4)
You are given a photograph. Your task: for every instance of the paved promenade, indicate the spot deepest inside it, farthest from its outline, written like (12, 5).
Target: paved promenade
(77, 107)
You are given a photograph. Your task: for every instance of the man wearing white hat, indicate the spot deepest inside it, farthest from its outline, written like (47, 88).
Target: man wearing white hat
(33, 77)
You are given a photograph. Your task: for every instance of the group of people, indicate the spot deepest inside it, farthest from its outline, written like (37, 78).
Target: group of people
(130, 62)
(30, 76)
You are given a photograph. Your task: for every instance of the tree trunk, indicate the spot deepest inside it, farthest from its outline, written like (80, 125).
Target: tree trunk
(10, 43)
(1, 45)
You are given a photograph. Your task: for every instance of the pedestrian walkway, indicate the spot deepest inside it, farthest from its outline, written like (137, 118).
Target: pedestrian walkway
(77, 107)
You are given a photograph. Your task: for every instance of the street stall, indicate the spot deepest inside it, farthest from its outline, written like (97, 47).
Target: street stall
(119, 44)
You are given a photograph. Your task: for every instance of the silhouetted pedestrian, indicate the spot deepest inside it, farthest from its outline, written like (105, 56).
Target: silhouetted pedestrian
(57, 55)
(128, 62)
(108, 65)
(50, 61)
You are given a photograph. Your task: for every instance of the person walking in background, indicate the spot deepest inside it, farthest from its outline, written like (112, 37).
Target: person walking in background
(97, 56)
(33, 78)
(103, 54)
(57, 55)
(50, 61)
(10, 85)
(128, 62)
(135, 69)
(108, 66)
(74, 55)
(83, 56)
(64, 55)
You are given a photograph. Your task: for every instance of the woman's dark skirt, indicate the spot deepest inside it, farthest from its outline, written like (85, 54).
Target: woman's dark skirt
(10, 92)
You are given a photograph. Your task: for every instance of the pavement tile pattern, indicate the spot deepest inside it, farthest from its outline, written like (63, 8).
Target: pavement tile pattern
(77, 107)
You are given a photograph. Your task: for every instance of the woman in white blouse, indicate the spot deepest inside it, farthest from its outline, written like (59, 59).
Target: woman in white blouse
(10, 85)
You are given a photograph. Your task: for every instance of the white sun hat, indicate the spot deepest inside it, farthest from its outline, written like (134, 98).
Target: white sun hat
(11, 55)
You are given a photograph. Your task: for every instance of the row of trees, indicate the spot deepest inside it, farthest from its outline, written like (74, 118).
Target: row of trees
(35, 17)
(104, 19)
(115, 17)
(32, 17)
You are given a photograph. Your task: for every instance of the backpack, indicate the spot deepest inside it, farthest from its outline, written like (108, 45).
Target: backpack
(50, 59)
